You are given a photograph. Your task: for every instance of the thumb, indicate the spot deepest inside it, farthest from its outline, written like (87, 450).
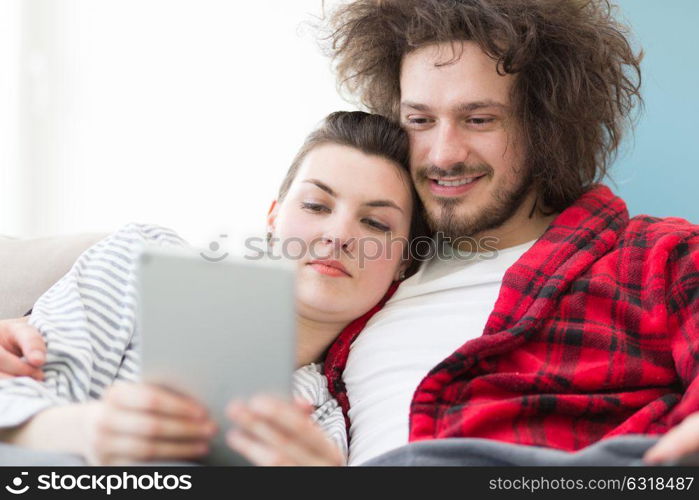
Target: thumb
(30, 343)
(303, 404)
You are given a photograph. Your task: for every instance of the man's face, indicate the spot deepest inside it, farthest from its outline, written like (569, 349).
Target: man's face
(466, 162)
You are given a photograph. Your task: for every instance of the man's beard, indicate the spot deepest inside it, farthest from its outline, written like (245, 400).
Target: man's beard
(503, 203)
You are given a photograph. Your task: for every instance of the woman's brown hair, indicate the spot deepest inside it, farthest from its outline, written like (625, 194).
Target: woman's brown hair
(577, 76)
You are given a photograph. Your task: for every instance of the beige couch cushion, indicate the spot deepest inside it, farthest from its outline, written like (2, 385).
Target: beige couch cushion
(28, 267)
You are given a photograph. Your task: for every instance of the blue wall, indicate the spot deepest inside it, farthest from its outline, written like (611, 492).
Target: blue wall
(658, 171)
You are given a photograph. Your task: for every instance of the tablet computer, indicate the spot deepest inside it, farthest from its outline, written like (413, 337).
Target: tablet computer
(216, 330)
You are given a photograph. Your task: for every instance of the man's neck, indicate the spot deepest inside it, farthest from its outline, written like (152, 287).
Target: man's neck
(528, 223)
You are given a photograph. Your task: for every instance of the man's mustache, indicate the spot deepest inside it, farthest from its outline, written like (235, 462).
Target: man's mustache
(456, 170)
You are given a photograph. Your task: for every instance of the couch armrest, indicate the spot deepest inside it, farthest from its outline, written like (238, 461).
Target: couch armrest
(28, 267)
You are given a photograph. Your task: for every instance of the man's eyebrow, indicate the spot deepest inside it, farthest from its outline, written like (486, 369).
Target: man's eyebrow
(374, 203)
(322, 186)
(472, 106)
(414, 105)
(462, 108)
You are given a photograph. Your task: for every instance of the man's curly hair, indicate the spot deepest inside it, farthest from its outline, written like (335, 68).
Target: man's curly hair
(577, 78)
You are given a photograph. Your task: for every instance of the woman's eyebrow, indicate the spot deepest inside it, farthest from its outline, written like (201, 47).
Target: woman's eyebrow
(322, 186)
(374, 203)
(383, 203)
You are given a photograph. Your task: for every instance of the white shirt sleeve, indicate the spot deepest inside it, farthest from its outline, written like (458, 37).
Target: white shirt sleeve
(310, 384)
(88, 321)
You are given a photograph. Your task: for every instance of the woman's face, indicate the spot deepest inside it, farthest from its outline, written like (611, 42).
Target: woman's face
(345, 222)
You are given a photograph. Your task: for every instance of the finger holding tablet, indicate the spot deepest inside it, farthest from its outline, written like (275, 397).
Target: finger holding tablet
(136, 422)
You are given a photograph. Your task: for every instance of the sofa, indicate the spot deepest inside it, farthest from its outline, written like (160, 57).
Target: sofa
(28, 267)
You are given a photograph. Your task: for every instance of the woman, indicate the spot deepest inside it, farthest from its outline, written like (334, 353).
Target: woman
(347, 201)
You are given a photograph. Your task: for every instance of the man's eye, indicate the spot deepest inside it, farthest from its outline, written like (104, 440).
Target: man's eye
(314, 207)
(376, 225)
(481, 121)
(416, 121)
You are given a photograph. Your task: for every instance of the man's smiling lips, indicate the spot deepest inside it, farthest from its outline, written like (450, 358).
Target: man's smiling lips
(453, 186)
(330, 268)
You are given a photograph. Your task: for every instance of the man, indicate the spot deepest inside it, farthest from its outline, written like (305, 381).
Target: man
(514, 109)
(585, 325)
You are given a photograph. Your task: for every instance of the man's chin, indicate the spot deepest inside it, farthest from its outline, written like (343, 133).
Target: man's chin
(461, 222)
(473, 216)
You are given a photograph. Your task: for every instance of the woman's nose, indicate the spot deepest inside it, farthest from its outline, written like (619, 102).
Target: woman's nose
(340, 244)
(341, 237)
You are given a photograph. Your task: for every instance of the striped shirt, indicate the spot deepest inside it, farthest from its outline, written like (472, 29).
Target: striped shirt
(88, 321)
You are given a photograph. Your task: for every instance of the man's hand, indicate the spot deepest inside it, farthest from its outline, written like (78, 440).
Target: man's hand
(140, 422)
(22, 349)
(678, 442)
(271, 431)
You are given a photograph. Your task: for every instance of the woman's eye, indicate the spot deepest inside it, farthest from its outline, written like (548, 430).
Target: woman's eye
(376, 225)
(314, 207)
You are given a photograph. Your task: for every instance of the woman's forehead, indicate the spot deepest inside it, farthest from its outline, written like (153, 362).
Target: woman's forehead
(347, 170)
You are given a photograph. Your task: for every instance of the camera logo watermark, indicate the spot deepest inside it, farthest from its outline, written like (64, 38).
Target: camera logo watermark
(214, 247)
(16, 488)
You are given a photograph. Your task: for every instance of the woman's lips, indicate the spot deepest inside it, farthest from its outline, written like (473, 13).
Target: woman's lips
(330, 268)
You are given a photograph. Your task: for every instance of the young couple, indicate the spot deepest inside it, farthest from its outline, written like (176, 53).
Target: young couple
(583, 327)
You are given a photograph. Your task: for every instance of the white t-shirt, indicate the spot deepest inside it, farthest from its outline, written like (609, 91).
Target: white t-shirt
(433, 313)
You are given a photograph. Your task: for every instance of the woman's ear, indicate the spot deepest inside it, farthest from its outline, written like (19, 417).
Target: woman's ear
(400, 274)
(272, 218)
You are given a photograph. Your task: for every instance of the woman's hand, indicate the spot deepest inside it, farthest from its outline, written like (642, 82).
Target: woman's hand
(140, 422)
(270, 431)
(22, 349)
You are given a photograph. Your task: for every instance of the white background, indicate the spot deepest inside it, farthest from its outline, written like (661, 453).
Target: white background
(184, 113)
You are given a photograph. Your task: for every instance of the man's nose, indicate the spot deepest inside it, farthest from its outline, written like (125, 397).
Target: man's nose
(449, 147)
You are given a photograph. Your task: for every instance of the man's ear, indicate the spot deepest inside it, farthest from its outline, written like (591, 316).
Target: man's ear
(272, 216)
